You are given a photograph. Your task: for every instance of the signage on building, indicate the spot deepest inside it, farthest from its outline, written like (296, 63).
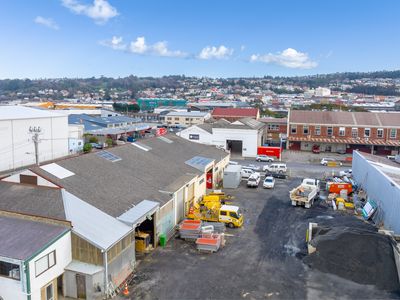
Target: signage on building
(161, 131)
(194, 136)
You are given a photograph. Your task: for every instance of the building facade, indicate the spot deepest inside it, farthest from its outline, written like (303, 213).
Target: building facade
(276, 128)
(343, 132)
(149, 104)
(235, 114)
(187, 118)
(18, 127)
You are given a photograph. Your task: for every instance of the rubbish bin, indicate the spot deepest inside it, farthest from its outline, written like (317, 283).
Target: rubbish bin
(163, 240)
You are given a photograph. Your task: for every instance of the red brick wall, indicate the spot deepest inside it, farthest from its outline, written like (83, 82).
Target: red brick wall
(348, 132)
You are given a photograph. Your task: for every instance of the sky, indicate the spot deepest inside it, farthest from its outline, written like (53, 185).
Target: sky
(213, 38)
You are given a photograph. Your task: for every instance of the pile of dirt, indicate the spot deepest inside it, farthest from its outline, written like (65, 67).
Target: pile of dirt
(360, 255)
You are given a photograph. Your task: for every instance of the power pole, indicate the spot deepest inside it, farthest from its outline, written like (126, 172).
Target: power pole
(35, 131)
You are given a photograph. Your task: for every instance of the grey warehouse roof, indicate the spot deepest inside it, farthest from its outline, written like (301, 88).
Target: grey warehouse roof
(13, 112)
(21, 239)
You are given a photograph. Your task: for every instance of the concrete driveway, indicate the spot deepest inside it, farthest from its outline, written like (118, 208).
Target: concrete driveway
(261, 260)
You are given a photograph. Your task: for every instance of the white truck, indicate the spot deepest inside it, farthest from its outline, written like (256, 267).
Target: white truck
(305, 193)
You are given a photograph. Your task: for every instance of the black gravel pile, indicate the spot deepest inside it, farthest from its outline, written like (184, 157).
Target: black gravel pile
(360, 255)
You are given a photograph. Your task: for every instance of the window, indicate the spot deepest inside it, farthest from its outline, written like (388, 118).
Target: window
(176, 119)
(342, 131)
(234, 215)
(186, 119)
(273, 127)
(293, 129)
(367, 132)
(45, 263)
(50, 292)
(354, 132)
(317, 130)
(393, 133)
(380, 133)
(169, 118)
(201, 181)
(194, 136)
(223, 213)
(305, 129)
(9, 270)
(330, 131)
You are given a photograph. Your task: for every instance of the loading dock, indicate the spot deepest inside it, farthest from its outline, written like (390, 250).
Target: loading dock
(142, 218)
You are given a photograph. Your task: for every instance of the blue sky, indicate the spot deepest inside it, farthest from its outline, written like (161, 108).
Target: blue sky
(84, 38)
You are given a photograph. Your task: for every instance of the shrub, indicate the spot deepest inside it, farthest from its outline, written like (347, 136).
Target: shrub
(93, 139)
(87, 148)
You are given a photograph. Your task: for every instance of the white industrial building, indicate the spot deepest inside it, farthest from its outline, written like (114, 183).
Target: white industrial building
(380, 178)
(241, 137)
(18, 126)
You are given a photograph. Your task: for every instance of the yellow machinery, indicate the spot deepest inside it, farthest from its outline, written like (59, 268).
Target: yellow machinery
(211, 209)
(345, 204)
(142, 241)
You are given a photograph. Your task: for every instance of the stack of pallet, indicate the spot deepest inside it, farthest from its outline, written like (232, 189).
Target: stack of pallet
(209, 242)
(190, 229)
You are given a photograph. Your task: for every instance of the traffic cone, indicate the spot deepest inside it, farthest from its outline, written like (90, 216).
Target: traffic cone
(125, 291)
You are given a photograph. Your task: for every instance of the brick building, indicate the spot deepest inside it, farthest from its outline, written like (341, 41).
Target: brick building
(343, 132)
(234, 114)
(276, 128)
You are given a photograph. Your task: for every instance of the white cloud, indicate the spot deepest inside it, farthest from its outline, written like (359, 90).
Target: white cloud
(115, 43)
(289, 58)
(46, 22)
(100, 11)
(220, 52)
(139, 46)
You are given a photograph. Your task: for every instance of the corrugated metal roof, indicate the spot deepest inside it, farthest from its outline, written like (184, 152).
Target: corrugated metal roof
(21, 238)
(235, 112)
(92, 224)
(138, 213)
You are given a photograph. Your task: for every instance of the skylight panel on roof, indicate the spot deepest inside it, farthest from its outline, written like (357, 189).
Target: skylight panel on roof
(141, 146)
(57, 171)
(109, 156)
(164, 139)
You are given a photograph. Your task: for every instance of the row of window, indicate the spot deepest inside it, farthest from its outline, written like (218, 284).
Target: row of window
(273, 127)
(186, 119)
(342, 131)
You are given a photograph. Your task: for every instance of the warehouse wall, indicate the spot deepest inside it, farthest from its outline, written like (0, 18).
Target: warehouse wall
(380, 189)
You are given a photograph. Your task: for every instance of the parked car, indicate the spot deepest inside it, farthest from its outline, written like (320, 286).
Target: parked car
(341, 151)
(263, 157)
(252, 167)
(316, 149)
(269, 182)
(327, 160)
(346, 173)
(275, 168)
(96, 146)
(245, 173)
(254, 180)
(235, 163)
(276, 175)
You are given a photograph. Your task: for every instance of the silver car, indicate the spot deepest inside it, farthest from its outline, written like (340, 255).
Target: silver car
(263, 157)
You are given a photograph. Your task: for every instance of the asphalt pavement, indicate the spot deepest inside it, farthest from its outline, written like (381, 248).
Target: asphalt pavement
(261, 260)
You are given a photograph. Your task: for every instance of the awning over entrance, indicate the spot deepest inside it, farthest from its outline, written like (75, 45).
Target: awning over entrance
(355, 141)
(139, 213)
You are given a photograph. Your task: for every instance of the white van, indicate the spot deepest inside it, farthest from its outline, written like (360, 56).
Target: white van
(275, 168)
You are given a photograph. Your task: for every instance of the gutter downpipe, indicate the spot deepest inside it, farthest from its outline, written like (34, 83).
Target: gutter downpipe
(105, 272)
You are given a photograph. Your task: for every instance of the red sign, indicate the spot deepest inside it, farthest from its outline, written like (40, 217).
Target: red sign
(161, 131)
(209, 180)
(270, 151)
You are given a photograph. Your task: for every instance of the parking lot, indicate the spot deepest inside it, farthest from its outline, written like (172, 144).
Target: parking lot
(261, 260)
